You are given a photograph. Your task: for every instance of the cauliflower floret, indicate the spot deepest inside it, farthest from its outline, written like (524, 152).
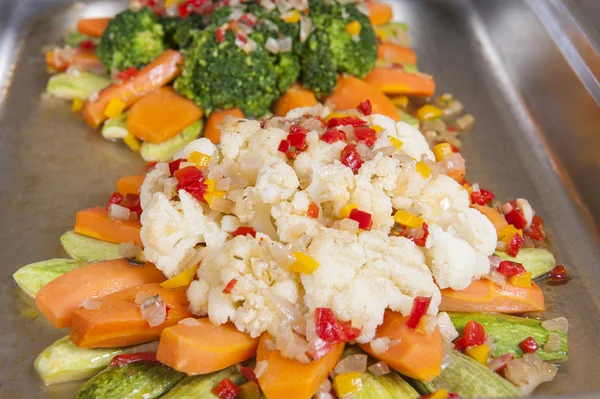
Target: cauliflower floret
(414, 143)
(316, 110)
(383, 121)
(318, 154)
(251, 305)
(235, 134)
(373, 201)
(473, 227)
(335, 185)
(202, 145)
(291, 220)
(442, 195)
(170, 231)
(153, 183)
(360, 276)
(276, 182)
(382, 171)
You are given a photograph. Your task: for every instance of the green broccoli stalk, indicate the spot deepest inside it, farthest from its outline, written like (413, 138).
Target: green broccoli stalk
(131, 39)
(318, 68)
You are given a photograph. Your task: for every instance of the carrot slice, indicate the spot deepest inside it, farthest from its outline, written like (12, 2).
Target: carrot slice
(493, 216)
(392, 52)
(118, 321)
(82, 58)
(211, 131)
(486, 296)
(154, 75)
(161, 115)
(415, 355)
(95, 223)
(58, 299)
(398, 81)
(204, 348)
(379, 13)
(351, 91)
(286, 378)
(130, 184)
(92, 26)
(294, 97)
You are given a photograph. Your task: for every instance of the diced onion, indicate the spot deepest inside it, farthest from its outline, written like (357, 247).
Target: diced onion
(118, 212)
(529, 372)
(223, 184)
(283, 6)
(553, 343)
(349, 225)
(260, 368)
(506, 208)
(387, 151)
(154, 311)
(363, 8)
(93, 96)
(475, 188)
(527, 210)
(222, 205)
(300, 243)
(494, 261)
(496, 277)
(305, 28)
(293, 315)
(325, 386)
(272, 45)
(352, 364)
(453, 109)
(230, 223)
(447, 329)
(557, 324)
(378, 369)
(317, 348)
(380, 345)
(501, 246)
(91, 304)
(447, 359)
(465, 122)
(429, 323)
(323, 395)
(498, 362)
(189, 321)
(285, 44)
(270, 345)
(141, 297)
(453, 162)
(129, 250)
(281, 254)
(267, 4)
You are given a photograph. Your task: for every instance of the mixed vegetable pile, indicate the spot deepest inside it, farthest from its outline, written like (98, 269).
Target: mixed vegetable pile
(326, 250)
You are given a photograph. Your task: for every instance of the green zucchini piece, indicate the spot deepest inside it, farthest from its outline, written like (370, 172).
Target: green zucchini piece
(88, 249)
(470, 379)
(63, 361)
(201, 386)
(164, 151)
(33, 277)
(392, 28)
(508, 331)
(132, 381)
(404, 117)
(74, 38)
(115, 128)
(75, 85)
(538, 261)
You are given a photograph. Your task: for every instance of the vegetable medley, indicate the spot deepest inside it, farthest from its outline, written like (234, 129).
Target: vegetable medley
(329, 249)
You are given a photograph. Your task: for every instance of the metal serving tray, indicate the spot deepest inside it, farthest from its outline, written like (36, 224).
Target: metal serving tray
(527, 70)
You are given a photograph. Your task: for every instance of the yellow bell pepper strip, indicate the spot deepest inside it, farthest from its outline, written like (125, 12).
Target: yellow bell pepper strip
(353, 28)
(396, 142)
(522, 280)
(303, 264)
(429, 112)
(442, 151)
(408, 219)
(201, 160)
(114, 108)
(182, 279)
(345, 211)
(347, 384)
(133, 143)
(77, 104)
(423, 169)
(479, 353)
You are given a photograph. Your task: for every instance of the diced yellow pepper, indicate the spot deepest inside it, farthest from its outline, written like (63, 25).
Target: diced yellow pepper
(334, 115)
(423, 169)
(347, 384)
(377, 128)
(345, 211)
(507, 233)
(210, 185)
(479, 353)
(77, 104)
(429, 112)
(201, 160)
(400, 101)
(521, 280)
(439, 394)
(292, 17)
(441, 151)
(169, 2)
(381, 34)
(467, 186)
(249, 390)
(446, 99)
(182, 279)
(303, 264)
(133, 143)
(396, 142)
(209, 197)
(408, 219)
(353, 28)
(114, 108)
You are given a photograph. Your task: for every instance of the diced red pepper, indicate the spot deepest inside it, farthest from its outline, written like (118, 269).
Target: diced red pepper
(313, 210)
(419, 308)
(188, 6)
(248, 373)
(292, 153)
(127, 73)
(229, 286)
(528, 345)
(333, 135)
(420, 241)
(174, 165)
(351, 332)
(244, 231)
(128, 358)
(450, 396)
(284, 146)
(327, 327)
(226, 389)
(298, 140)
(536, 229)
(558, 274)
(115, 198)
(515, 216)
(298, 129)
(248, 19)
(365, 107)
(242, 38)
(188, 176)
(510, 269)
(364, 219)
(366, 135)
(515, 245)
(150, 165)
(473, 335)
(351, 158)
(482, 197)
(220, 35)
(132, 202)
(87, 45)
(345, 120)
(499, 363)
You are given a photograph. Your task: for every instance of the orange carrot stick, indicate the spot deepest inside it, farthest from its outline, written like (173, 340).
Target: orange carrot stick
(486, 296)
(211, 131)
(81, 58)
(130, 184)
(92, 26)
(161, 115)
(118, 322)
(294, 97)
(94, 222)
(395, 53)
(379, 13)
(285, 378)
(415, 355)
(351, 91)
(398, 81)
(58, 299)
(154, 75)
(493, 216)
(205, 347)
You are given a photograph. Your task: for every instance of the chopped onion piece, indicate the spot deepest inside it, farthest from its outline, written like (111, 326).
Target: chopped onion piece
(494, 261)
(380, 345)
(429, 323)
(454, 162)
(281, 254)
(496, 277)
(260, 368)
(559, 323)
(272, 45)
(553, 343)
(447, 359)
(317, 348)
(222, 205)
(305, 27)
(223, 184)
(154, 311)
(118, 212)
(349, 225)
(529, 372)
(351, 364)
(189, 321)
(267, 5)
(230, 223)
(91, 304)
(498, 362)
(285, 44)
(465, 122)
(129, 250)
(527, 210)
(270, 345)
(283, 6)
(325, 386)
(447, 329)
(93, 96)
(363, 8)
(141, 297)
(378, 369)
(501, 246)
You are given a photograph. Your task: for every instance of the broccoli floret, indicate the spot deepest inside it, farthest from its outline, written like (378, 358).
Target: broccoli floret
(318, 69)
(131, 39)
(221, 75)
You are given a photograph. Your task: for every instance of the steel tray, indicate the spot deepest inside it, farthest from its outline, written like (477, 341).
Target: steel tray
(528, 71)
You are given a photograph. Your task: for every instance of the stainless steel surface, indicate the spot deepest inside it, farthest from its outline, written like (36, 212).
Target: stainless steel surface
(537, 136)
